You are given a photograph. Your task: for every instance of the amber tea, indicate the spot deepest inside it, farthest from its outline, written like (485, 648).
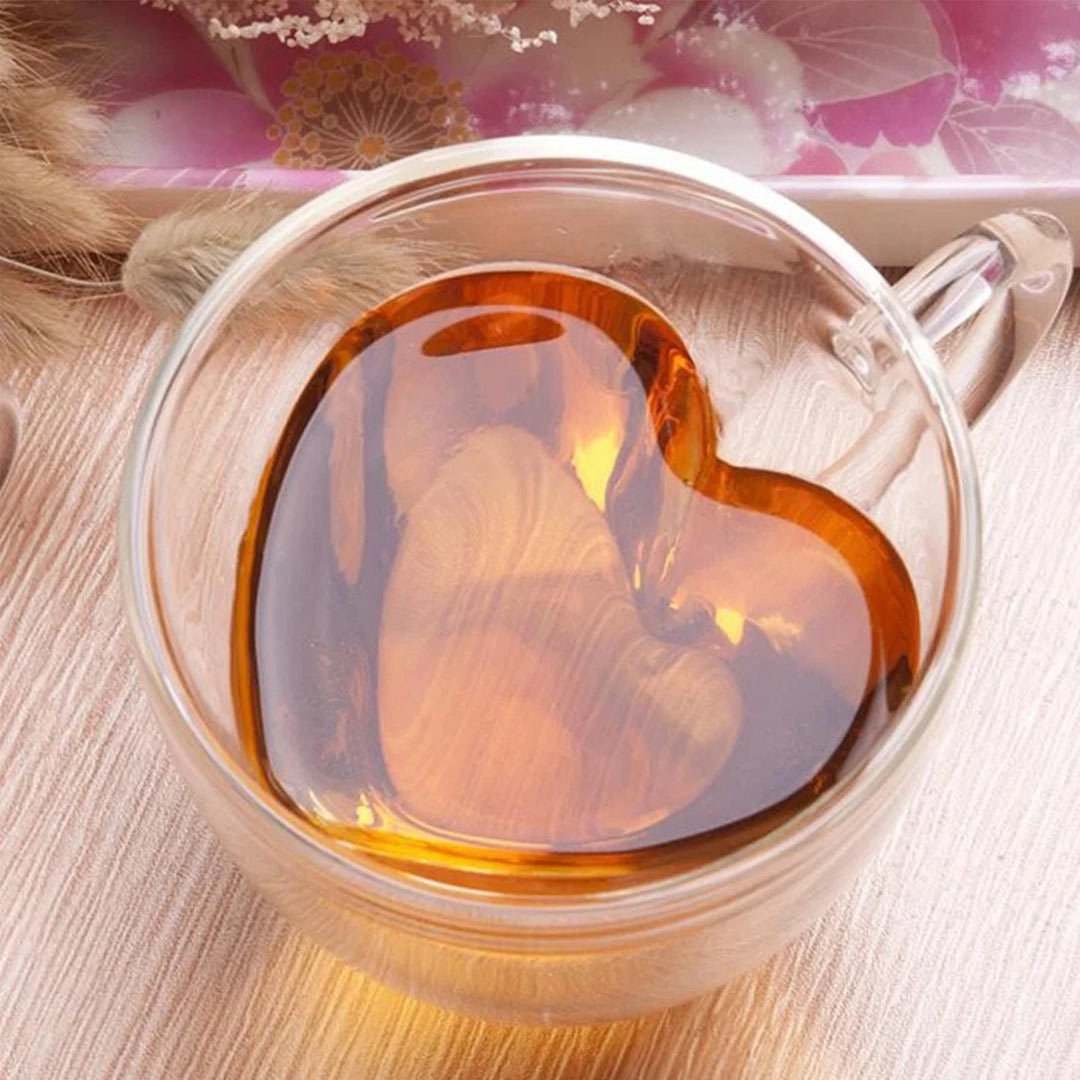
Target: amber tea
(502, 608)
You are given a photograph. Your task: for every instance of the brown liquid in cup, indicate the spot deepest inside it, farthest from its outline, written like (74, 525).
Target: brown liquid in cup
(504, 616)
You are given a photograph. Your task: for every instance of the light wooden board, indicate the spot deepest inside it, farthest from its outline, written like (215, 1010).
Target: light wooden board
(130, 947)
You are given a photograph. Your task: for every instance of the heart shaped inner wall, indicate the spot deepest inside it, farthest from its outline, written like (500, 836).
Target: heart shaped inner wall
(502, 608)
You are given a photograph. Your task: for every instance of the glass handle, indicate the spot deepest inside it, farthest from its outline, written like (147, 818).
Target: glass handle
(1003, 282)
(9, 432)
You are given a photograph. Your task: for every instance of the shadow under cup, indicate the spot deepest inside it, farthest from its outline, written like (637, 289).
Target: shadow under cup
(761, 292)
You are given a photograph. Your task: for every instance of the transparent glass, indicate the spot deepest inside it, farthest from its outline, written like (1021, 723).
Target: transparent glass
(817, 367)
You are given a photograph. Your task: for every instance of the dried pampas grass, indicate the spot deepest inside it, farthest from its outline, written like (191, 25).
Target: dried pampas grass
(47, 42)
(46, 208)
(54, 226)
(52, 122)
(35, 322)
(51, 220)
(22, 59)
(177, 257)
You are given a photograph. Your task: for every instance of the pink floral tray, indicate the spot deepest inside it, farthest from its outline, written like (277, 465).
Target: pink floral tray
(899, 121)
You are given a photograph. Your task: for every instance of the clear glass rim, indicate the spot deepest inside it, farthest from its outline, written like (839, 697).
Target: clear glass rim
(467, 910)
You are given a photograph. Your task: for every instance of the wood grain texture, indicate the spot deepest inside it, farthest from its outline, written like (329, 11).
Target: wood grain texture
(130, 947)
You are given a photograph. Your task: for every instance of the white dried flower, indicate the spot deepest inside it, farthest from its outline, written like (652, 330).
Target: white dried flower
(305, 22)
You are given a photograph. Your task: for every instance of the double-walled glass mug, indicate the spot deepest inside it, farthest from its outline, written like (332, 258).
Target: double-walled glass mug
(818, 368)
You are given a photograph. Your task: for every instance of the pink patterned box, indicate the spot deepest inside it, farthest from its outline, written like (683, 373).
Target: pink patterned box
(899, 121)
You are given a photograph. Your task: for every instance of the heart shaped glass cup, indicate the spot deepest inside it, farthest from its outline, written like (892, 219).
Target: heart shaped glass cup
(818, 368)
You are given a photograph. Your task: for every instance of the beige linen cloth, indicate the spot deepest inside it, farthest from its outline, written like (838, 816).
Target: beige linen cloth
(130, 947)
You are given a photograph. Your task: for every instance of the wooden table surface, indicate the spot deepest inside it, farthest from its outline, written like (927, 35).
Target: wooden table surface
(130, 947)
